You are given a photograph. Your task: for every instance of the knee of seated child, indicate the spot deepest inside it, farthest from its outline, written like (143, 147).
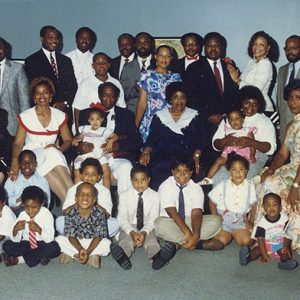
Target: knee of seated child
(244, 240)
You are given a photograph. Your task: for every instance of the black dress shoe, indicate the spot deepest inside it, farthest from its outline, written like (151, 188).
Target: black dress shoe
(120, 256)
(166, 253)
(45, 261)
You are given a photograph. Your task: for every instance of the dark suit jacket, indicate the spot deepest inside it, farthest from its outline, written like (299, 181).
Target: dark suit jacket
(115, 67)
(37, 65)
(179, 67)
(203, 92)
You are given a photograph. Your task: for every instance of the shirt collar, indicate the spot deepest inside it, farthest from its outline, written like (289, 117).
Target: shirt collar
(131, 57)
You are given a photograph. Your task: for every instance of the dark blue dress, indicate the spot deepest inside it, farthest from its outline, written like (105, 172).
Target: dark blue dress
(169, 139)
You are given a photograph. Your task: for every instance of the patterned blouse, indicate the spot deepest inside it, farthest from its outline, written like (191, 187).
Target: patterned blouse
(94, 226)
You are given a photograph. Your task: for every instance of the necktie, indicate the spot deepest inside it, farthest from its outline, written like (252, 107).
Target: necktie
(143, 65)
(32, 239)
(218, 78)
(53, 65)
(292, 75)
(140, 213)
(126, 62)
(181, 208)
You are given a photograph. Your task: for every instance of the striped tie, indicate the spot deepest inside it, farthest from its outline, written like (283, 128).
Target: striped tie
(53, 65)
(32, 239)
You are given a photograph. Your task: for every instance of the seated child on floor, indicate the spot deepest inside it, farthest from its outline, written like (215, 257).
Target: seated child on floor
(7, 219)
(233, 200)
(91, 172)
(85, 238)
(235, 129)
(138, 209)
(271, 237)
(32, 238)
(181, 222)
(101, 137)
(27, 176)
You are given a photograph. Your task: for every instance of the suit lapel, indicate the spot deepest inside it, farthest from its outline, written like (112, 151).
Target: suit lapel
(6, 76)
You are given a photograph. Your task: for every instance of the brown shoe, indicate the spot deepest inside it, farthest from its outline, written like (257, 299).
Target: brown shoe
(65, 259)
(94, 261)
(9, 260)
(212, 245)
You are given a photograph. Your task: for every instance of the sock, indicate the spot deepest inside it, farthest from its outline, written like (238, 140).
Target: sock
(21, 260)
(200, 245)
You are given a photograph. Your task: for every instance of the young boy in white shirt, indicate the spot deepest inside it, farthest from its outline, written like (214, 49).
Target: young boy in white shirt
(32, 238)
(138, 209)
(181, 221)
(91, 172)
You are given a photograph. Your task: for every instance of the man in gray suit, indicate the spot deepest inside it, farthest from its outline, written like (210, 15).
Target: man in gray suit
(132, 71)
(13, 87)
(286, 74)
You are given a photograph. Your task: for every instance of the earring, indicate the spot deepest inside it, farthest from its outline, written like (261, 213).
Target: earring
(50, 100)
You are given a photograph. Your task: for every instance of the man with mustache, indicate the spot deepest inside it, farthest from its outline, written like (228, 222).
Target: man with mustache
(287, 73)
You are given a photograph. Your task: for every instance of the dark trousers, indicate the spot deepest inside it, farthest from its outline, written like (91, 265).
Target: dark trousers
(32, 257)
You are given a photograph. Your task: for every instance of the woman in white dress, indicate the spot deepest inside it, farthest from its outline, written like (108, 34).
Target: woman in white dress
(259, 70)
(38, 130)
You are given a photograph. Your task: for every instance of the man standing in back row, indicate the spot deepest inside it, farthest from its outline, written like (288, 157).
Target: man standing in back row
(48, 62)
(286, 74)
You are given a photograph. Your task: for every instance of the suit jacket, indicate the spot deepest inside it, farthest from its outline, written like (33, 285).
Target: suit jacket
(14, 93)
(203, 93)
(37, 65)
(284, 112)
(130, 75)
(179, 67)
(115, 67)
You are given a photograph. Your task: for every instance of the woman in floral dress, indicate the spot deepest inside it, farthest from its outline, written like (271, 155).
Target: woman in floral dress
(152, 90)
(284, 179)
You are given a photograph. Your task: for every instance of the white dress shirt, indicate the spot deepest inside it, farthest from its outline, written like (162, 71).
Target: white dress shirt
(104, 196)
(44, 219)
(127, 209)
(2, 67)
(47, 53)
(235, 196)
(147, 62)
(169, 196)
(87, 92)
(122, 62)
(82, 64)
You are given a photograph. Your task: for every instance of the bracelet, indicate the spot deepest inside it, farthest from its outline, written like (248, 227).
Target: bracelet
(296, 185)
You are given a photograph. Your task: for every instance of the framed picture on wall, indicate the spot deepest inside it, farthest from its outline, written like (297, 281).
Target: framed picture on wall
(173, 42)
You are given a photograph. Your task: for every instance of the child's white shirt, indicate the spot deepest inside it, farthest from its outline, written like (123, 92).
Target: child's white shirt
(7, 221)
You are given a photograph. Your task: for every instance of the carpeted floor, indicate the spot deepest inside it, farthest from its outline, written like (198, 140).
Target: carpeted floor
(190, 275)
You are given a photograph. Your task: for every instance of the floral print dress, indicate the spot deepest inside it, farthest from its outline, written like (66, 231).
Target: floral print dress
(154, 84)
(282, 180)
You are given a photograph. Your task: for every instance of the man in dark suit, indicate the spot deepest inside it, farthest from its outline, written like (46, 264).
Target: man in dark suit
(48, 62)
(126, 44)
(192, 44)
(210, 88)
(13, 87)
(144, 44)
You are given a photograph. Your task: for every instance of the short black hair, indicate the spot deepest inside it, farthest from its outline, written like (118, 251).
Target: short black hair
(273, 195)
(45, 28)
(196, 36)
(294, 36)
(173, 88)
(183, 160)
(220, 38)
(235, 111)
(273, 53)
(293, 85)
(91, 32)
(126, 35)
(33, 193)
(233, 157)
(101, 54)
(151, 38)
(252, 92)
(111, 85)
(92, 187)
(137, 168)
(26, 152)
(91, 162)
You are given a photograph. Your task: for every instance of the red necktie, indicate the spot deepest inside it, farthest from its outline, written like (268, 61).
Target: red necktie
(218, 78)
(32, 239)
(53, 65)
